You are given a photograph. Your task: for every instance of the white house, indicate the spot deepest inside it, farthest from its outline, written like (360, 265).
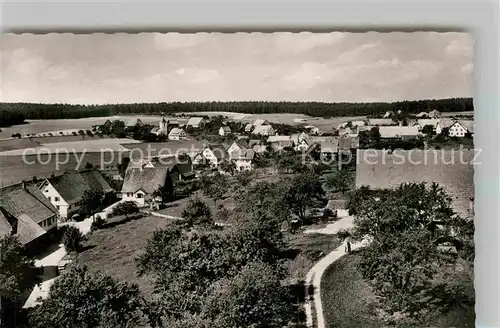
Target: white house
(238, 145)
(460, 129)
(256, 124)
(430, 121)
(213, 155)
(224, 130)
(243, 159)
(263, 130)
(177, 134)
(399, 132)
(65, 192)
(140, 184)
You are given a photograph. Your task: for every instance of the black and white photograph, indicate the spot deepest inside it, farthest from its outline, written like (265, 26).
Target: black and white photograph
(234, 180)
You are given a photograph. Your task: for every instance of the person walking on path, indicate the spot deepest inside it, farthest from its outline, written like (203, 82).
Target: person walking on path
(347, 245)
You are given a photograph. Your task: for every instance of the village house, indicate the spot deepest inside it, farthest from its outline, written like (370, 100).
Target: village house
(243, 159)
(351, 124)
(280, 142)
(389, 114)
(257, 146)
(133, 122)
(264, 130)
(329, 149)
(337, 207)
(238, 145)
(177, 134)
(195, 122)
(143, 179)
(224, 130)
(423, 122)
(250, 127)
(212, 154)
(65, 192)
(399, 132)
(461, 129)
(27, 214)
(434, 114)
(451, 170)
(422, 115)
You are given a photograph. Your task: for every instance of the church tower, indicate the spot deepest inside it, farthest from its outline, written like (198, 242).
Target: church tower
(163, 123)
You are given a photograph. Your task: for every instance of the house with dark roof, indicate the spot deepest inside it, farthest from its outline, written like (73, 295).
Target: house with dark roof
(65, 192)
(133, 122)
(238, 145)
(26, 214)
(224, 130)
(243, 159)
(451, 169)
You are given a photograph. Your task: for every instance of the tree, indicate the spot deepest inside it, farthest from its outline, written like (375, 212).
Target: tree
(228, 166)
(72, 239)
(165, 192)
(253, 298)
(88, 166)
(338, 181)
(305, 192)
(428, 130)
(197, 212)
(91, 201)
(244, 178)
(125, 208)
(17, 275)
(83, 299)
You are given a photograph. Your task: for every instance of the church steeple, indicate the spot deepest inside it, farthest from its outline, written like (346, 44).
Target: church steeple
(163, 122)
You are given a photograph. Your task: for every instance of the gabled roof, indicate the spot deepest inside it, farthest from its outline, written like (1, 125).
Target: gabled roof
(422, 114)
(176, 132)
(73, 185)
(244, 154)
(263, 129)
(6, 225)
(134, 121)
(146, 179)
(28, 201)
(226, 129)
(260, 121)
(398, 131)
(194, 121)
(467, 124)
(452, 170)
(219, 151)
(242, 143)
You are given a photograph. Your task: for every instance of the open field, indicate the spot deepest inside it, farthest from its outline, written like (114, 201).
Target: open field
(15, 168)
(85, 145)
(113, 250)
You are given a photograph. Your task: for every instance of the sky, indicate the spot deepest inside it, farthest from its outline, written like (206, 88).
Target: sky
(154, 67)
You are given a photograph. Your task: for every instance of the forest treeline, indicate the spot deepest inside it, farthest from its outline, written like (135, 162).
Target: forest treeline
(11, 117)
(318, 109)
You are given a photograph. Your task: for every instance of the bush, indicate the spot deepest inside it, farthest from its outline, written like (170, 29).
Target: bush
(125, 208)
(72, 239)
(343, 234)
(98, 223)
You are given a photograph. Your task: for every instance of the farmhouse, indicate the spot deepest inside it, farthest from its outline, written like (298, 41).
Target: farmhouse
(434, 114)
(257, 125)
(399, 132)
(300, 141)
(133, 122)
(195, 122)
(461, 129)
(140, 184)
(224, 130)
(243, 159)
(263, 130)
(65, 192)
(177, 134)
(351, 124)
(27, 214)
(238, 145)
(452, 170)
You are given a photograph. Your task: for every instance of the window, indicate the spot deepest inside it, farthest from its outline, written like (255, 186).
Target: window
(49, 198)
(57, 207)
(56, 199)
(138, 196)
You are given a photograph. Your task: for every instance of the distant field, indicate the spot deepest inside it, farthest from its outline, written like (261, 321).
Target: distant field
(15, 168)
(13, 144)
(83, 145)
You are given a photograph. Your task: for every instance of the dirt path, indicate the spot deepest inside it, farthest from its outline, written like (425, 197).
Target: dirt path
(313, 281)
